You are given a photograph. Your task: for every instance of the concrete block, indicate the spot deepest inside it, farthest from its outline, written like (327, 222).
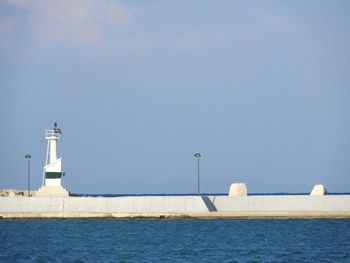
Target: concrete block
(319, 189)
(238, 189)
(52, 191)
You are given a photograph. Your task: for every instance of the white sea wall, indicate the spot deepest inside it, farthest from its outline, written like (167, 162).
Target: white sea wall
(137, 204)
(31, 204)
(81, 205)
(282, 203)
(148, 206)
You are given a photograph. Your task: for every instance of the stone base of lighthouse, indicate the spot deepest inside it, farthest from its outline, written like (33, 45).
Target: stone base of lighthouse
(52, 191)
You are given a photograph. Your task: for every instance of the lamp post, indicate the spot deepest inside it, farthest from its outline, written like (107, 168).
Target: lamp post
(28, 157)
(198, 156)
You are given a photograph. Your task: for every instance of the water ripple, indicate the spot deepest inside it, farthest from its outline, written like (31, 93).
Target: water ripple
(299, 240)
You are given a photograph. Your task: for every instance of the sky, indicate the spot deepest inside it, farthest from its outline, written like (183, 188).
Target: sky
(259, 88)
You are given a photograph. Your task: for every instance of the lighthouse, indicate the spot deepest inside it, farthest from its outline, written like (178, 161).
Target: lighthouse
(52, 175)
(53, 166)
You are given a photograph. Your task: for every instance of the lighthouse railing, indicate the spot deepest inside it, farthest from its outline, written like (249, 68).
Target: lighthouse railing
(53, 134)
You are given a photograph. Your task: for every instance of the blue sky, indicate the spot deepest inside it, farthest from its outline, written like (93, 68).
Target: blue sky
(260, 88)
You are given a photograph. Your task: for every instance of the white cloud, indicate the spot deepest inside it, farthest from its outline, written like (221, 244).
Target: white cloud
(18, 2)
(104, 28)
(80, 21)
(117, 14)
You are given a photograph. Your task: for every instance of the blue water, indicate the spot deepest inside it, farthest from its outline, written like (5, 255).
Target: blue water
(298, 240)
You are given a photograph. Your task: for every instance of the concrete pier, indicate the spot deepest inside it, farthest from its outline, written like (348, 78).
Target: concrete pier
(212, 207)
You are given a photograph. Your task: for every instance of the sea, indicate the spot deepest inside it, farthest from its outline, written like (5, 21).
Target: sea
(250, 240)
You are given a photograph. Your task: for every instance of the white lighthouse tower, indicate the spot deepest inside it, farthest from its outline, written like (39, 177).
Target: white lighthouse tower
(53, 166)
(52, 181)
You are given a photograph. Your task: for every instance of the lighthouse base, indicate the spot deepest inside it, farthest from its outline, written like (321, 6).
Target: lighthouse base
(53, 191)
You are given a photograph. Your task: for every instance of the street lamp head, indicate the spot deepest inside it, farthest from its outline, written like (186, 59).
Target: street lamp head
(28, 156)
(198, 155)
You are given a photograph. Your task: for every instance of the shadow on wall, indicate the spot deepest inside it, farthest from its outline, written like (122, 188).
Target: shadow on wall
(209, 204)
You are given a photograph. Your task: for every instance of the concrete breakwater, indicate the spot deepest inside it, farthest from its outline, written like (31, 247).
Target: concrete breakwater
(52, 200)
(288, 206)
